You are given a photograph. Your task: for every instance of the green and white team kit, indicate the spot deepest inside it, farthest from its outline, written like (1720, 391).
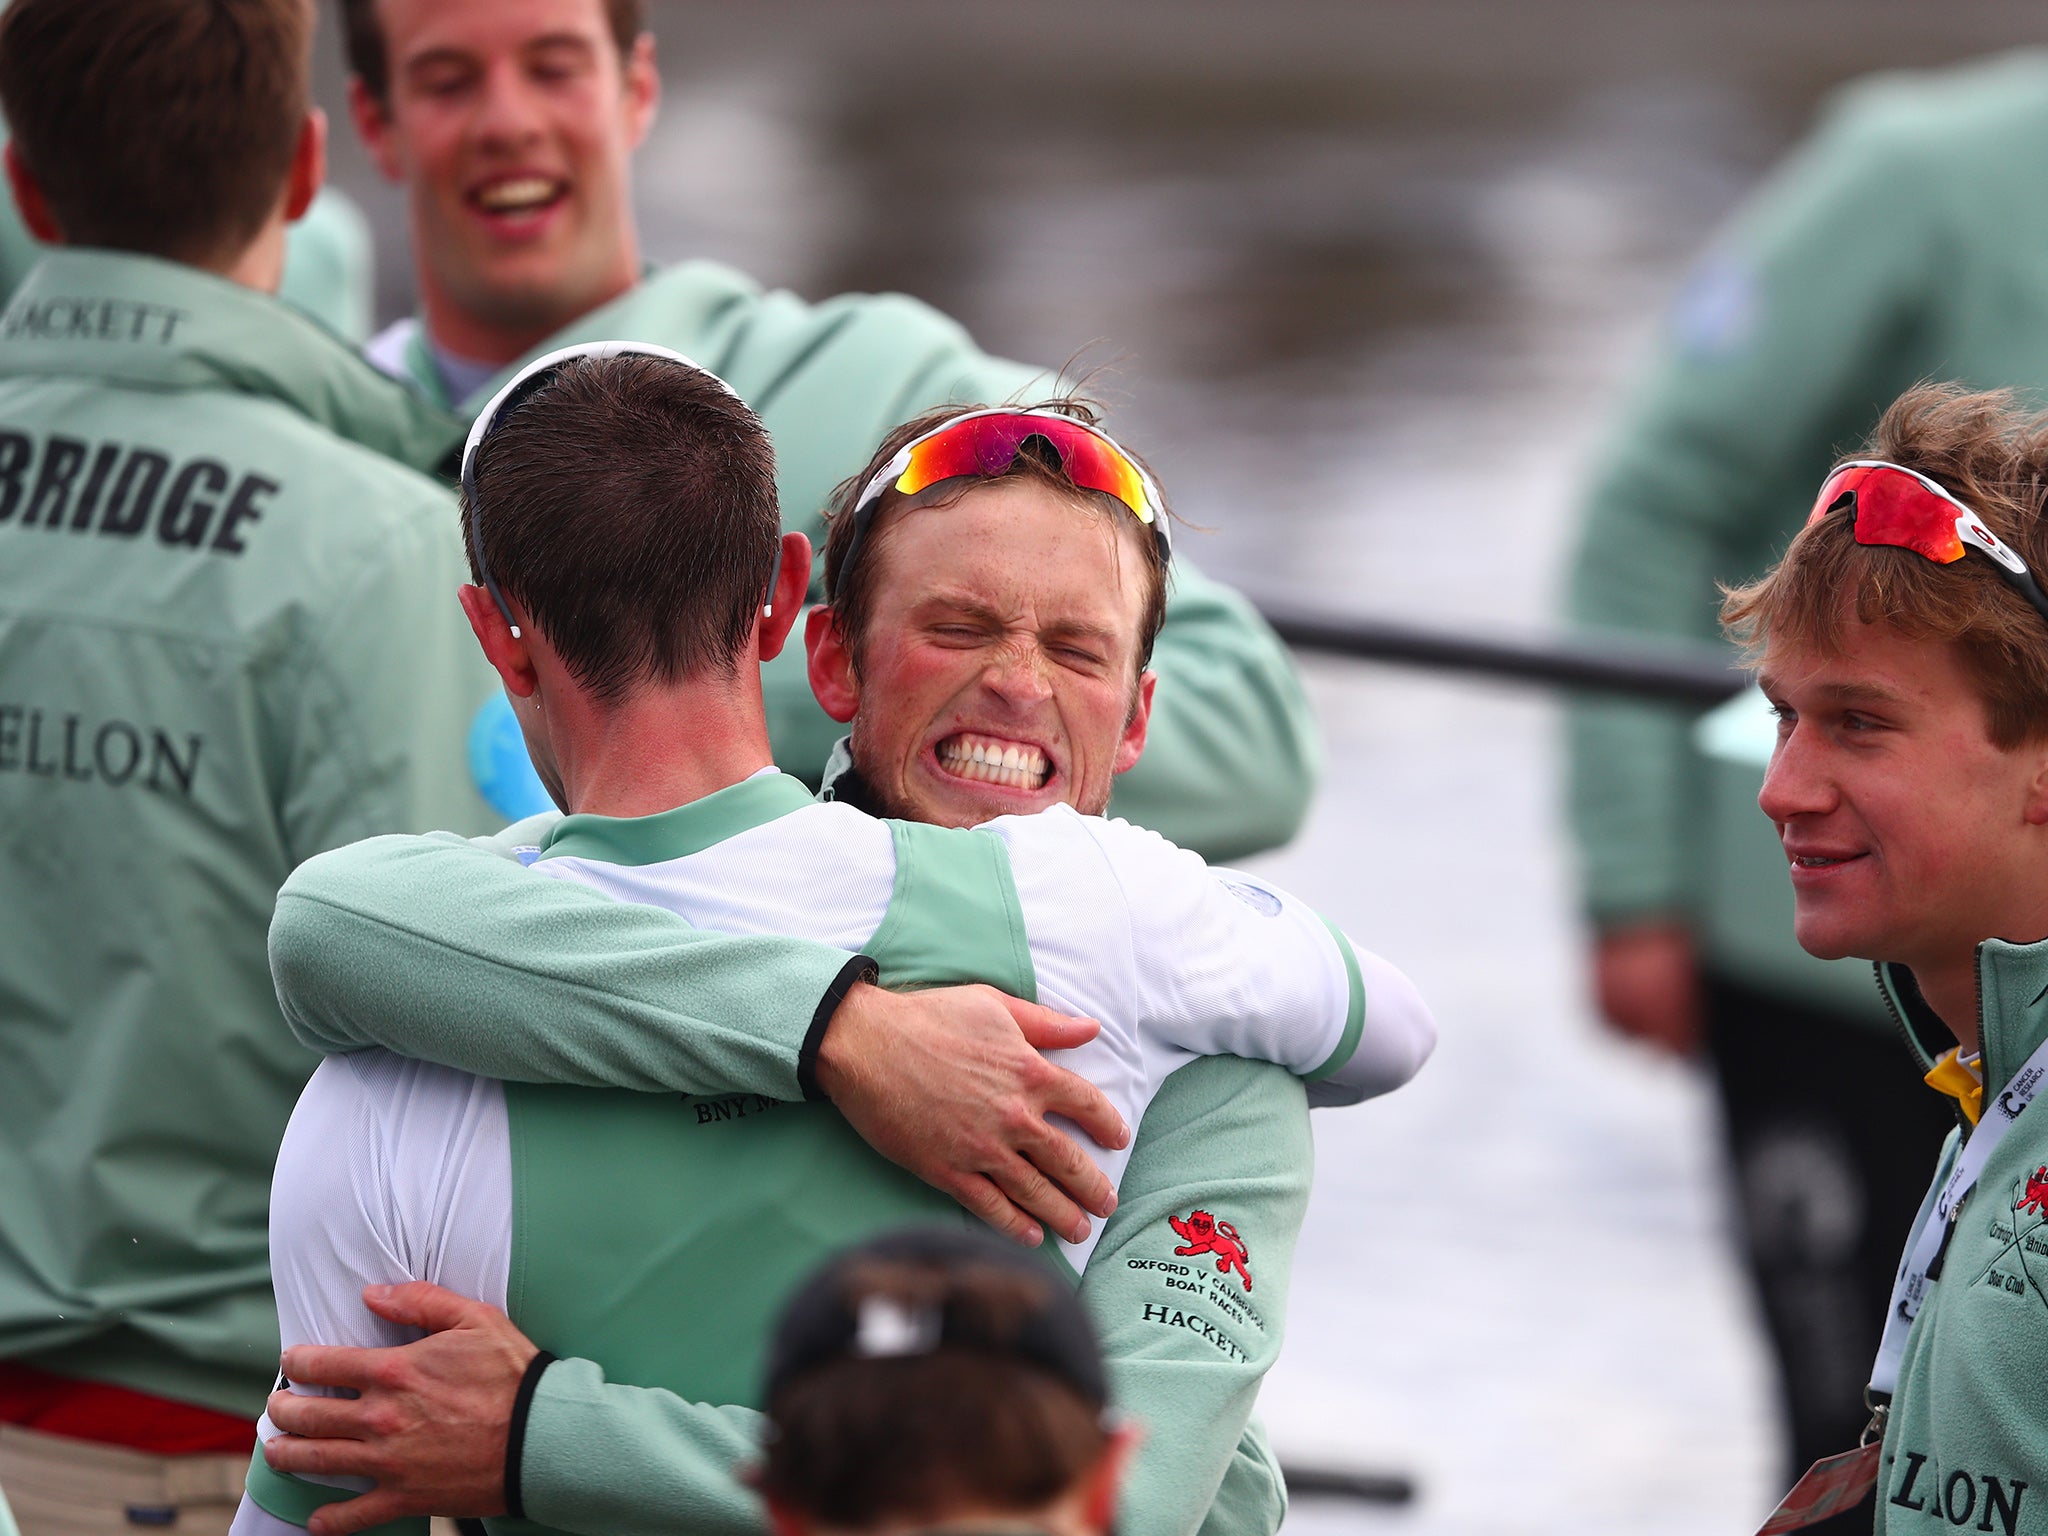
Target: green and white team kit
(545, 1199)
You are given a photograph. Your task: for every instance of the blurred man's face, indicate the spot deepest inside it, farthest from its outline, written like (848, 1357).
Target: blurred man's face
(512, 124)
(1000, 670)
(1911, 836)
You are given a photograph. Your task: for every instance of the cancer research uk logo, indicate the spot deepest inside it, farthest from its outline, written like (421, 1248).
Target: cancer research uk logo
(1203, 1233)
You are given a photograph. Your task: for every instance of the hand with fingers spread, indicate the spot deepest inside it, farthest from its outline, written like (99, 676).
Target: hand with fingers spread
(429, 1423)
(950, 1085)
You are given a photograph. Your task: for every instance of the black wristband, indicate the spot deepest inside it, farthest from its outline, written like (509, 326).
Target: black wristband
(860, 968)
(515, 1432)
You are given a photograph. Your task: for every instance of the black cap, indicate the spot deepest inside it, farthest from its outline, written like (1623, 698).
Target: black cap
(839, 1312)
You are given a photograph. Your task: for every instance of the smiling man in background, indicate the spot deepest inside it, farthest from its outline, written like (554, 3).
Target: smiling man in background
(1903, 644)
(512, 125)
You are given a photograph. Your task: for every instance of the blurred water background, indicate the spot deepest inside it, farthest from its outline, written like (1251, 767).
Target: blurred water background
(1363, 280)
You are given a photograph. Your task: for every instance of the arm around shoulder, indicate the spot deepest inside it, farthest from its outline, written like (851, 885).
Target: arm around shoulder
(445, 950)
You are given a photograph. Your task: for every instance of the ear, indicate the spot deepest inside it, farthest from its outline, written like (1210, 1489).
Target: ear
(642, 84)
(1103, 1482)
(833, 678)
(2036, 810)
(1132, 746)
(505, 651)
(309, 167)
(29, 199)
(786, 598)
(374, 127)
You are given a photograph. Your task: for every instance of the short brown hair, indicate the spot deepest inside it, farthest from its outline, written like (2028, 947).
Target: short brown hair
(851, 593)
(859, 1440)
(1992, 455)
(160, 126)
(628, 505)
(363, 38)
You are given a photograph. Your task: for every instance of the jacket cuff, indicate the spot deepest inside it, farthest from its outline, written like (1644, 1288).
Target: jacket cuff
(515, 1432)
(860, 968)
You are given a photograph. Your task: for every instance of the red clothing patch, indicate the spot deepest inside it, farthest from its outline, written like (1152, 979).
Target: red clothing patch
(1203, 1233)
(110, 1415)
(2036, 1198)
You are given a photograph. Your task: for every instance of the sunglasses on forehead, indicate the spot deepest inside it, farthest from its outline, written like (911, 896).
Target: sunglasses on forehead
(987, 443)
(1890, 504)
(522, 386)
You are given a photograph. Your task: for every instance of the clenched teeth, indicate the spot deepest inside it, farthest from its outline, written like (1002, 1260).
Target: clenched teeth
(991, 761)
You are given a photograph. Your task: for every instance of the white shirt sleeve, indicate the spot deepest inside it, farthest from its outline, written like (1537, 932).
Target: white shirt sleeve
(1224, 963)
(390, 1170)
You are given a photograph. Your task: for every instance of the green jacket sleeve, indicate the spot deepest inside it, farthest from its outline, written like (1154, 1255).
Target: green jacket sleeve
(1793, 334)
(379, 944)
(613, 1460)
(1186, 1346)
(1187, 1343)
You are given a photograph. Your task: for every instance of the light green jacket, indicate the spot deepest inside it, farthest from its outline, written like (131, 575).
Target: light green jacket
(228, 640)
(1966, 1447)
(1901, 242)
(1231, 760)
(378, 944)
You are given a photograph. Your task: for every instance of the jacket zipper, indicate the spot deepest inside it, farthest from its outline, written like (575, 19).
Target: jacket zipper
(1912, 1043)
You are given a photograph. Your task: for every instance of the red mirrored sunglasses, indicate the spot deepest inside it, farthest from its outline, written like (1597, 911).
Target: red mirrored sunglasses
(1890, 504)
(988, 442)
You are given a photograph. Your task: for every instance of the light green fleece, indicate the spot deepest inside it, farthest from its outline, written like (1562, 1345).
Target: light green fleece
(1966, 1444)
(1898, 243)
(1231, 758)
(226, 643)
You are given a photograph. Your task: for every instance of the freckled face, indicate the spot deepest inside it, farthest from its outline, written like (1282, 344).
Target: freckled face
(1000, 671)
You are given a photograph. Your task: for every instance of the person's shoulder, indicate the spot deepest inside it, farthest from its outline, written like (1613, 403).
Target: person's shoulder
(350, 507)
(771, 333)
(1974, 115)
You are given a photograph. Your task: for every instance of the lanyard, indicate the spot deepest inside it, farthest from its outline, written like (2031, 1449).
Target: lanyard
(1938, 1214)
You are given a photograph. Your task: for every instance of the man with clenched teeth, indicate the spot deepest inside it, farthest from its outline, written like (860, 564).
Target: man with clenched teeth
(993, 595)
(511, 125)
(1903, 645)
(990, 644)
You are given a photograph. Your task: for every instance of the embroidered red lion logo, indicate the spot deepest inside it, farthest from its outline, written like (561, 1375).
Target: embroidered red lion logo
(1203, 1233)
(2035, 1200)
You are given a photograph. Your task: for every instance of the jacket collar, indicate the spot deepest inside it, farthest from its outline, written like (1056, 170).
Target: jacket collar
(676, 834)
(2012, 1008)
(842, 782)
(162, 325)
(695, 307)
